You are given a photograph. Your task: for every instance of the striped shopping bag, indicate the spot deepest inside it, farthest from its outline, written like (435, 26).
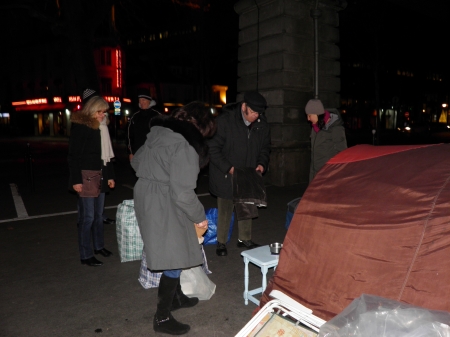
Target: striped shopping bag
(127, 230)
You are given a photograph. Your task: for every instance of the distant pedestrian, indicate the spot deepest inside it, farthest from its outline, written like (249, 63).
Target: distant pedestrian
(167, 208)
(90, 150)
(242, 141)
(327, 135)
(139, 124)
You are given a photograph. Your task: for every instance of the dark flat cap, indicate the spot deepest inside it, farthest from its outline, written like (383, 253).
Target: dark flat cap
(255, 101)
(144, 93)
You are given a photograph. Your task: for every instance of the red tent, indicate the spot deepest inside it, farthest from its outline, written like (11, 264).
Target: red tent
(374, 220)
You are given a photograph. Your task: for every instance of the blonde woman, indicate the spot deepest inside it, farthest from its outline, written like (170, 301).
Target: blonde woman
(90, 151)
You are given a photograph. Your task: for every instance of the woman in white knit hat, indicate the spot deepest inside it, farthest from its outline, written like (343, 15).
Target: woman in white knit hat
(327, 135)
(91, 174)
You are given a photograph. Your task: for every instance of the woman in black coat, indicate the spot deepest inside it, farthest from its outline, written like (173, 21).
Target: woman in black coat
(90, 149)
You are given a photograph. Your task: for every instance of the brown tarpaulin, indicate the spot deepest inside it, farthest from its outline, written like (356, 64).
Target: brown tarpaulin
(374, 220)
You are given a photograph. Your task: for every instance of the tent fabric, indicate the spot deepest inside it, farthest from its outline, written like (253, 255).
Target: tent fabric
(374, 220)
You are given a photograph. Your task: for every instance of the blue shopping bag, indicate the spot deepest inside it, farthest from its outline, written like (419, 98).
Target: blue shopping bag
(211, 234)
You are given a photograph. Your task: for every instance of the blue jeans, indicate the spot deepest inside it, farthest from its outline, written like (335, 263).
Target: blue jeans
(90, 223)
(172, 273)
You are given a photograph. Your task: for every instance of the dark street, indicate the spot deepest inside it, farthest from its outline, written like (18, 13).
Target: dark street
(47, 292)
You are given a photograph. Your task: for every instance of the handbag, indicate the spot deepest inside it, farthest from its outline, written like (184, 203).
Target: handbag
(91, 183)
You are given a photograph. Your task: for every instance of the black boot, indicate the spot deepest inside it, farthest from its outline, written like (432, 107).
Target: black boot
(164, 321)
(180, 300)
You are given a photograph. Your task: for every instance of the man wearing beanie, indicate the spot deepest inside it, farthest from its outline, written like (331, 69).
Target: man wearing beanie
(139, 124)
(242, 140)
(327, 135)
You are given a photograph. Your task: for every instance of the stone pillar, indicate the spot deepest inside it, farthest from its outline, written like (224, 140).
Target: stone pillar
(276, 57)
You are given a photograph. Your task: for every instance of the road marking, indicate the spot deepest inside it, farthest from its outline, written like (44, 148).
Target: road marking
(47, 215)
(18, 202)
(27, 217)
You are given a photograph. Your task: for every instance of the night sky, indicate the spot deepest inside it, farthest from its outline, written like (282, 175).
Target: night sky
(408, 32)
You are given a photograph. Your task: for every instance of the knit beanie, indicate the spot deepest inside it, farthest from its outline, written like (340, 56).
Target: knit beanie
(88, 94)
(314, 107)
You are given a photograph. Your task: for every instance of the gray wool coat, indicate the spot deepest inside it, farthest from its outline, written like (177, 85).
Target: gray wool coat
(165, 202)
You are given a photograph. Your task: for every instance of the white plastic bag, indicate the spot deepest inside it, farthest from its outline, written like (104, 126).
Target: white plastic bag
(195, 283)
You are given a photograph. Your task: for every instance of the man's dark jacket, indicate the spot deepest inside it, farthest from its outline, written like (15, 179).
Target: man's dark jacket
(138, 128)
(236, 145)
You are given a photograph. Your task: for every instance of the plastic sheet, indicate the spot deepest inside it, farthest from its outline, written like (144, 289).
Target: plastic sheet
(374, 316)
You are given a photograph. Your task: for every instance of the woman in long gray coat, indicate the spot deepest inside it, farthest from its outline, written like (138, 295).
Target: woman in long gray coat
(167, 207)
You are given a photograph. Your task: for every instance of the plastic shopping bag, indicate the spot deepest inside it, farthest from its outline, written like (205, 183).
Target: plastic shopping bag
(210, 237)
(195, 283)
(149, 279)
(128, 235)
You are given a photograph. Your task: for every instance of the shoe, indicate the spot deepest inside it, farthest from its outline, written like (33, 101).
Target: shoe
(109, 221)
(221, 249)
(163, 321)
(103, 252)
(92, 261)
(169, 325)
(249, 244)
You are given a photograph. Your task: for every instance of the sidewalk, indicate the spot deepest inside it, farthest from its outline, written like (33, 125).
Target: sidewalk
(47, 292)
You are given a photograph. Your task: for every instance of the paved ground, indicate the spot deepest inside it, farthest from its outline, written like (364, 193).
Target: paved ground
(45, 291)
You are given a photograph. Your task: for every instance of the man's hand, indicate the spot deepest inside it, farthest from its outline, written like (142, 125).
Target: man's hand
(260, 168)
(111, 183)
(231, 171)
(78, 187)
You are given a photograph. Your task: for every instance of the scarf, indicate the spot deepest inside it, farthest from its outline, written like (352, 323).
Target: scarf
(107, 151)
(326, 118)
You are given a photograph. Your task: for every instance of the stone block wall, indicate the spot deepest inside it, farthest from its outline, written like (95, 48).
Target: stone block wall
(276, 57)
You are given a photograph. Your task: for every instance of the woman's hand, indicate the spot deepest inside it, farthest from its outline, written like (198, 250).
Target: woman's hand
(203, 224)
(111, 183)
(78, 188)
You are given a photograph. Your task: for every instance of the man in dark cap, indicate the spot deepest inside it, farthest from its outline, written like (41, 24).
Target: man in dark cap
(138, 126)
(242, 140)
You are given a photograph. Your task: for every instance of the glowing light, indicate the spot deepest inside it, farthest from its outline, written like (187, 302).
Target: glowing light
(36, 101)
(111, 98)
(19, 103)
(57, 99)
(222, 89)
(127, 100)
(444, 105)
(74, 99)
(118, 68)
